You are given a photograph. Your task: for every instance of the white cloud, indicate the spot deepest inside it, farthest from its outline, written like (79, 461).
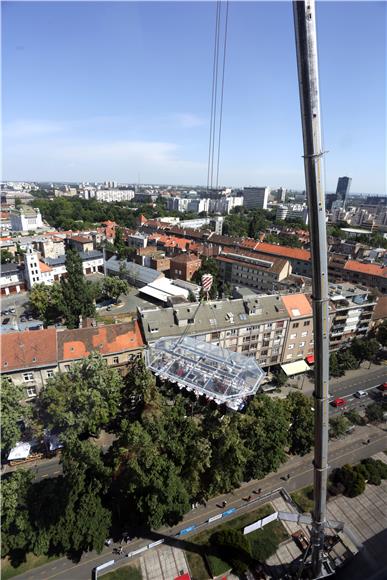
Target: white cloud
(24, 128)
(189, 120)
(67, 160)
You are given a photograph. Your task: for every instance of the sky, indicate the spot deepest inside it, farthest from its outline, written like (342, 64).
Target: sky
(95, 91)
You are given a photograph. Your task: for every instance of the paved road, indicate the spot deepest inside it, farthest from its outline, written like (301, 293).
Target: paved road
(348, 450)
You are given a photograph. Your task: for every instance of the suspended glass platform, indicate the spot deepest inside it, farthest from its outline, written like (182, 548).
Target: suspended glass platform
(221, 375)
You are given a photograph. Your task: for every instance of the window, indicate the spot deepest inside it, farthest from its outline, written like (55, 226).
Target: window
(304, 333)
(293, 335)
(295, 325)
(50, 374)
(301, 344)
(67, 367)
(291, 346)
(28, 377)
(31, 392)
(289, 356)
(307, 323)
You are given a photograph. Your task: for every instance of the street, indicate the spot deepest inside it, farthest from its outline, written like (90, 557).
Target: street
(348, 450)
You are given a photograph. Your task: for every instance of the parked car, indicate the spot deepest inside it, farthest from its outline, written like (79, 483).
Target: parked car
(30, 317)
(12, 310)
(108, 541)
(23, 319)
(339, 402)
(360, 394)
(109, 307)
(5, 321)
(383, 387)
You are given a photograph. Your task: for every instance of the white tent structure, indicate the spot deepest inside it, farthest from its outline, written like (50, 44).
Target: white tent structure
(221, 375)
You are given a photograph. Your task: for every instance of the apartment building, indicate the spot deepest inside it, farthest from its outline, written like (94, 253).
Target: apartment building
(252, 269)
(30, 358)
(255, 197)
(184, 266)
(299, 337)
(81, 244)
(351, 315)
(255, 326)
(11, 279)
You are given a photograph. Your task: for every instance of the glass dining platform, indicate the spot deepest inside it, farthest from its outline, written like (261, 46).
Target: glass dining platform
(219, 374)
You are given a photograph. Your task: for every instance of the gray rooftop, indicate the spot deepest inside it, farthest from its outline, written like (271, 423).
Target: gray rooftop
(139, 273)
(10, 268)
(210, 317)
(93, 255)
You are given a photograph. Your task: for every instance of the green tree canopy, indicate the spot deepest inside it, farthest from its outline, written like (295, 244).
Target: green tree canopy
(301, 434)
(12, 412)
(6, 256)
(113, 287)
(77, 294)
(84, 399)
(364, 348)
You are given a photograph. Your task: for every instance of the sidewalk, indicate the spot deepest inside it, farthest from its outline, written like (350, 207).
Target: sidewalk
(306, 384)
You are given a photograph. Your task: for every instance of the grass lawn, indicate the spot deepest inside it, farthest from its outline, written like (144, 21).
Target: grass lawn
(303, 498)
(126, 573)
(197, 565)
(32, 561)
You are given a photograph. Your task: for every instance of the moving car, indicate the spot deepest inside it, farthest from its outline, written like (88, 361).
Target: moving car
(360, 394)
(339, 402)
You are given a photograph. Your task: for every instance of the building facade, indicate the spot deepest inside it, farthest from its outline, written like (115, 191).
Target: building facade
(256, 197)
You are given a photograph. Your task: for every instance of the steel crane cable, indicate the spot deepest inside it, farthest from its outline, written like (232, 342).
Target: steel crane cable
(213, 96)
(222, 94)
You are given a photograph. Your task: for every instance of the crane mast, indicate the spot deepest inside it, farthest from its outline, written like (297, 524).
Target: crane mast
(307, 64)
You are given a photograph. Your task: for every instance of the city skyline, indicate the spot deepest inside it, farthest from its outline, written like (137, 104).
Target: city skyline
(99, 91)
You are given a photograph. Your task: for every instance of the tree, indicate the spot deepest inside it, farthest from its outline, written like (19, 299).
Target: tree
(17, 531)
(229, 454)
(233, 547)
(301, 432)
(46, 301)
(374, 413)
(146, 483)
(381, 334)
(6, 256)
(338, 426)
(264, 428)
(12, 412)
(364, 349)
(113, 287)
(352, 480)
(84, 399)
(77, 294)
(335, 369)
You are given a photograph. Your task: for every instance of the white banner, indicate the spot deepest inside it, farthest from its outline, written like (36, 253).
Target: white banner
(105, 565)
(270, 518)
(137, 551)
(154, 544)
(214, 518)
(252, 527)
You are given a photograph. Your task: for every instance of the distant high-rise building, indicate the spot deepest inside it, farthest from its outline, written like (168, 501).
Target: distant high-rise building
(342, 189)
(255, 197)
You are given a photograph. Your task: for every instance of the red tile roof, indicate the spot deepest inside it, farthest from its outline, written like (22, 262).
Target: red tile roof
(28, 349)
(184, 259)
(370, 269)
(110, 339)
(284, 251)
(44, 267)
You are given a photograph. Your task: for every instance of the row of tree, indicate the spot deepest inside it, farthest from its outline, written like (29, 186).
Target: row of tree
(350, 358)
(169, 451)
(73, 296)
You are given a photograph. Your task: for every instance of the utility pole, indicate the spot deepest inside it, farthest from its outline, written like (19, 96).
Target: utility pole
(307, 63)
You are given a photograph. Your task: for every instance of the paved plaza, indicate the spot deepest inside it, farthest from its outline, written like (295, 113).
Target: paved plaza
(164, 563)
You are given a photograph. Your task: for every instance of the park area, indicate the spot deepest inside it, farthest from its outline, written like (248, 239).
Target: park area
(217, 550)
